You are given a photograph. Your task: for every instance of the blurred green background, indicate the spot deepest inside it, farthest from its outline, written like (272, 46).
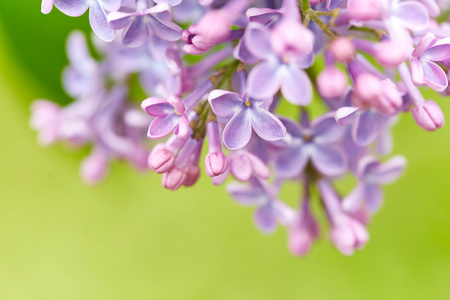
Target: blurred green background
(131, 239)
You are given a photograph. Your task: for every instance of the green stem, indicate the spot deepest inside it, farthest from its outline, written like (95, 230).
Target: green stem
(309, 14)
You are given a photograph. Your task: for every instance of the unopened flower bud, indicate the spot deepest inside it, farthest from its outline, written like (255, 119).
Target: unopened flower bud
(429, 115)
(363, 11)
(192, 174)
(173, 179)
(342, 49)
(332, 83)
(94, 168)
(215, 163)
(390, 99)
(367, 88)
(160, 159)
(391, 54)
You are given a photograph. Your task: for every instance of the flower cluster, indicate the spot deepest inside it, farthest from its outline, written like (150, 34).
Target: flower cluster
(223, 71)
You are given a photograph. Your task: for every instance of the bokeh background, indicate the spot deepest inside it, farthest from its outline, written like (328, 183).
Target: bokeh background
(131, 239)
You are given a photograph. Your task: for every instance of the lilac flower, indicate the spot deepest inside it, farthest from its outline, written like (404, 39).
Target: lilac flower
(371, 175)
(144, 21)
(278, 69)
(315, 143)
(422, 64)
(247, 114)
(347, 232)
(97, 13)
(303, 230)
(171, 113)
(269, 208)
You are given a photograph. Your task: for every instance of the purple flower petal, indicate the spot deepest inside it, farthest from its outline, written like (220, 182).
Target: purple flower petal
(238, 131)
(156, 107)
(366, 129)
(437, 53)
(326, 130)
(415, 67)
(353, 201)
(245, 195)
(257, 41)
(265, 218)
(291, 162)
(225, 103)
(136, 33)
(182, 131)
(99, 23)
(328, 161)
(264, 80)
(435, 77)
(266, 125)
(161, 127)
(374, 197)
(412, 15)
(72, 8)
(119, 19)
(111, 5)
(296, 87)
(165, 30)
(389, 171)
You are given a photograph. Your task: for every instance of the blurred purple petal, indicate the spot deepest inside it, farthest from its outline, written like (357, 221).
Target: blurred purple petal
(264, 80)
(296, 87)
(366, 129)
(329, 161)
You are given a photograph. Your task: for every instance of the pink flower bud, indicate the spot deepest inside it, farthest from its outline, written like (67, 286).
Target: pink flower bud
(363, 11)
(314, 2)
(391, 54)
(215, 163)
(160, 159)
(332, 83)
(348, 235)
(367, 88)
(302, 232)
(290, 38)
(94, 168)
(173, 179)
(429, 115)
(342, 49)
(390, 99)
(192, 174)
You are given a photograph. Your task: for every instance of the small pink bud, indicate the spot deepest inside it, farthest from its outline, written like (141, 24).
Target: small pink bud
(348, 235)
(160, 159)
(391, 54)
(173, 179)
(215, 163)
(363, 11)
(94, 168)
(429, 115)
(367, 88)
(332, 83)
(390, 99)
(290, 38)
(192, 174)
(342, 49)
(314, 2)
(302, 233)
